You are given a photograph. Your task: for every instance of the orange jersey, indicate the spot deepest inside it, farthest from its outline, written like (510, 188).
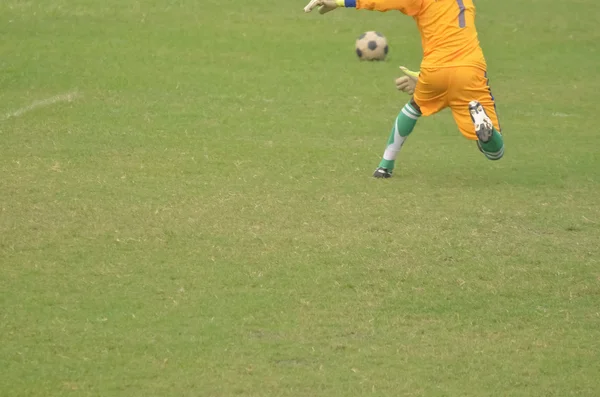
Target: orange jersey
(447, 27)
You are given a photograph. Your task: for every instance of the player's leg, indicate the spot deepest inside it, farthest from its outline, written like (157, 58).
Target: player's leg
(429, 98)
(474, 110)
(489, 138)
(403, 126)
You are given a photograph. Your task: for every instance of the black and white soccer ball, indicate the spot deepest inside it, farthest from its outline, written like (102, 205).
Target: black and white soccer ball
(371, 46)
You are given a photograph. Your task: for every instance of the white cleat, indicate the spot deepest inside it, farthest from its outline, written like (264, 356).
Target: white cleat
(381, 172)
(483, 124)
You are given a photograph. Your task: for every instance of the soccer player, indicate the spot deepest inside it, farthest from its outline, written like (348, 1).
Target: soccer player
(452, 74)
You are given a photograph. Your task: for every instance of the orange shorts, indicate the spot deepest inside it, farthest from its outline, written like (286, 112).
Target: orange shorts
(455, 87)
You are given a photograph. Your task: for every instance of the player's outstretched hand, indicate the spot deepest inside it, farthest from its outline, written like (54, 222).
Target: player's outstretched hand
(408, 82)
(324, 6)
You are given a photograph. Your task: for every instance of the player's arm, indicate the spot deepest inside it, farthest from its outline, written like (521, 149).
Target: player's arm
(408, 7)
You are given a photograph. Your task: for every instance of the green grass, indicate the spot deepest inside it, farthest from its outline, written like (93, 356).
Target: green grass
(200, 219)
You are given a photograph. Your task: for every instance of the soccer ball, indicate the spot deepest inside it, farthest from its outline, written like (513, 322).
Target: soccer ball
(371, 46)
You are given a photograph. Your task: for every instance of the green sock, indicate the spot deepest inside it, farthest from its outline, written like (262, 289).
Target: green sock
(403, 126)
(494, 148)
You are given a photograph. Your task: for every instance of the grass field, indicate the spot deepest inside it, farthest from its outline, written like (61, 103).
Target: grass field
(187, 208)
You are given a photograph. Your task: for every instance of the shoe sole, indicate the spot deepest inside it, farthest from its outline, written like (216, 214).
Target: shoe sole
(483, 124)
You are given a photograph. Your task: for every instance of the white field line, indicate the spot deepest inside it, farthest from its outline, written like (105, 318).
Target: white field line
(68, 97)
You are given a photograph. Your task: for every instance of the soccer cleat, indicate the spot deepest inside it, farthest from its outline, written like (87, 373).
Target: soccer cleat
(484, 128)
(382, 173)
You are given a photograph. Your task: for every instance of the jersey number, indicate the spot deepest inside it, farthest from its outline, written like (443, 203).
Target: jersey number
(461, 14)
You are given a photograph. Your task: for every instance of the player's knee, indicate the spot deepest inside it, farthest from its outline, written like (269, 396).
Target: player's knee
(414, 105)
